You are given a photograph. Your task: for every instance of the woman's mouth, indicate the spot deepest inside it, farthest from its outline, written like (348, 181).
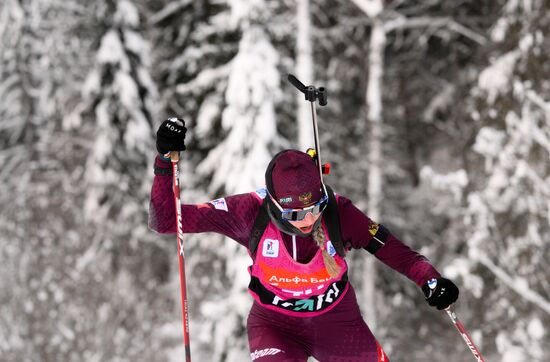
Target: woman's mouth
(306, 229)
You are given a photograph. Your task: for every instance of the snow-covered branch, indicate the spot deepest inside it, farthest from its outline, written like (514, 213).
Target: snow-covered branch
(536, 99)
(205, 79)
(403, 22)
(372, 8)
(375, 8)
(167, 11)
(468, 33)
(516, 284)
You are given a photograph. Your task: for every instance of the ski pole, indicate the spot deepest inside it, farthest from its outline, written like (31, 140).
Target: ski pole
(312, 94)
(460, 327)
(175, 157)
(316, 135)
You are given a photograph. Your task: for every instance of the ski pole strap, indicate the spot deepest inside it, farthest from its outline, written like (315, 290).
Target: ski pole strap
(163, 171)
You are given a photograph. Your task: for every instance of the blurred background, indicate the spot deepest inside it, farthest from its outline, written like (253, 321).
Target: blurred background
(437, 125)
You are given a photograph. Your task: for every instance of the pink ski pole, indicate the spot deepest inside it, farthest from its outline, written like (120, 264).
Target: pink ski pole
(460, 327)
(175, 157)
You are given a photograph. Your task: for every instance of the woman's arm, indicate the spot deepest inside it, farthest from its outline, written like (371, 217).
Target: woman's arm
(232, 216)
(357, 231)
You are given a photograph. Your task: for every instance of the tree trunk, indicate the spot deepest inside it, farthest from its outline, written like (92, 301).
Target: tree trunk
(374, 192)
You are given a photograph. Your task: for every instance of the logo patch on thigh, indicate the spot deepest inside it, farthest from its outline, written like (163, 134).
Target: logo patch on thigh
(264, 352)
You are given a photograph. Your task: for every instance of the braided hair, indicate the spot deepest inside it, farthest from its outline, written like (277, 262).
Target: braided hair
(332, 267)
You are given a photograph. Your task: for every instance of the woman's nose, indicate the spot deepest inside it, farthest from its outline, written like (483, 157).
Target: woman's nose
(309, 218)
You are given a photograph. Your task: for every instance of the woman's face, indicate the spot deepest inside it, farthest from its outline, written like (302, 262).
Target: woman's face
(306, 225)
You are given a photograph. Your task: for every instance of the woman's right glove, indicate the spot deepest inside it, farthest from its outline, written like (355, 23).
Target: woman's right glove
(171, 136)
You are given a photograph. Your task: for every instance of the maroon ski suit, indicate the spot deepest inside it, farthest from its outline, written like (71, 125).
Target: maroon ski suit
(340, 334)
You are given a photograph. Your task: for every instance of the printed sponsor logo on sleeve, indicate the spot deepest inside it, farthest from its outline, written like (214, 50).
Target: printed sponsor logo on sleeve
(373, 228)
(219, 204)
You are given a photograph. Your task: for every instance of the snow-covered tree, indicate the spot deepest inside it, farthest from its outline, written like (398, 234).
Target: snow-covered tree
(385, 19)
(12, 73)
(224, 80)
(36, 210)
(15, 131)
(109, 249)
(117, 113)
(237, 163)
(508, 208)
(498, 220)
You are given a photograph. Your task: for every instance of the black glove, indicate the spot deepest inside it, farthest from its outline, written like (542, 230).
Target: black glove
(440, 292)
(171, 136)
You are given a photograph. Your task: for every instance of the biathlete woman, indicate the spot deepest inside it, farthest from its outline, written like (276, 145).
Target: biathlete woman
(297, 233)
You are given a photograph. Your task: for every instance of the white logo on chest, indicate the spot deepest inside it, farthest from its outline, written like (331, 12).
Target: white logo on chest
(270, 248)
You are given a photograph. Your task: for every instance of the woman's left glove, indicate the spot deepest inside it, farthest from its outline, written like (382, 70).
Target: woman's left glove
(440, 292)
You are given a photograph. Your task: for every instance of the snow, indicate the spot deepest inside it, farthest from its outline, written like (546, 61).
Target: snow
(499, 30)
(526, 43)
(489, 142)
(498, 76)
(111, 50)
(519, 285)
(243, 10)
(460, 269)
(126, 14)
(372, 8)
(205, 79)
(509, 351)
(453, 182)
(208, 112)
(249, 117)
(92, 85)
(170, 8)
(134, 42)
(535, 329)
(126, 87)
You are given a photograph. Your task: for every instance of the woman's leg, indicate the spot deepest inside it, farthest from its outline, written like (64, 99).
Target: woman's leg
(343, 336)
(348, 343)
(272, 339)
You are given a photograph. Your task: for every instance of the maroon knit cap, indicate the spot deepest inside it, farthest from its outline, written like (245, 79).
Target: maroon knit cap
(295, 181)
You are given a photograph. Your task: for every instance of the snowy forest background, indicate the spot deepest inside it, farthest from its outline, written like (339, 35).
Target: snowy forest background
(437, 125)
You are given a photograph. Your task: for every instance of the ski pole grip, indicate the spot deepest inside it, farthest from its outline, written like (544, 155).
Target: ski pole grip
(295, 82)
(174, 156)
